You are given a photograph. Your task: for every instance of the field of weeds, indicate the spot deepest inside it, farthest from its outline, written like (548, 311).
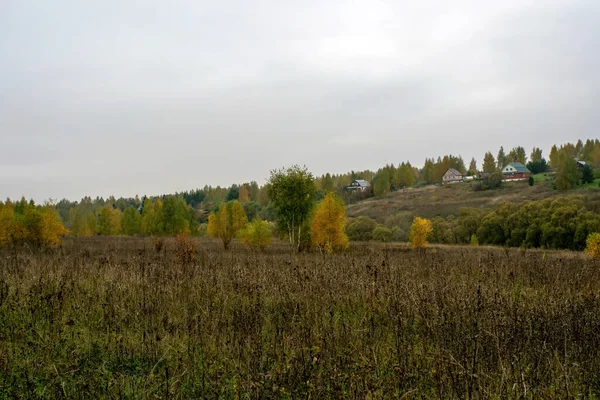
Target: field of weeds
(115, 318)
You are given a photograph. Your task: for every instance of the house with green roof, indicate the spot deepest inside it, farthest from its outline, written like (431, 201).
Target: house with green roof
(515, 171)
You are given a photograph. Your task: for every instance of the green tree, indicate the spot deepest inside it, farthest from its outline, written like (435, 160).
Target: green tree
(587, 174)
(175, 216)
(567, 172)
(554, 158)
(109, 221)
(131, 223)
(406, 176)
(381, 182)
(489, 163)
(292, 192)
(536, 155)
(501, 159)
(517, 154)
(472, 167)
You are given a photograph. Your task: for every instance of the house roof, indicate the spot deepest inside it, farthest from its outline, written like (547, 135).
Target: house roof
(362, 182)
(518, 167)
(453, 171)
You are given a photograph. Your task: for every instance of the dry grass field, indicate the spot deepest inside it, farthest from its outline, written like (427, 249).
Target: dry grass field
(114, 318)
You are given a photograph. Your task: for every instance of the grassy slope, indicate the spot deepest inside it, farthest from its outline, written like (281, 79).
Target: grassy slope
(431, 201)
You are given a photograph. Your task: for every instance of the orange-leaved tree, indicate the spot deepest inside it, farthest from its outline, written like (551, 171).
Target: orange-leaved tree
(420, 231)
(24, 222)
(328, 224)
(227, 222)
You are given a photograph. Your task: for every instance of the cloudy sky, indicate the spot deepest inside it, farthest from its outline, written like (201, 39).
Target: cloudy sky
(130, 97)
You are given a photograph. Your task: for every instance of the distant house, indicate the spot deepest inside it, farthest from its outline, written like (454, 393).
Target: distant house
(452, 176)
(515, 171)
(581, 165)
(359, 184)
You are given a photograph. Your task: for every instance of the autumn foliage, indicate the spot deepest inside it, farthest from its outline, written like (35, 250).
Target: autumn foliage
(419, 232)
(227, 222)
(329, 223)
(592, 248)
(257, 235)
(24, 222)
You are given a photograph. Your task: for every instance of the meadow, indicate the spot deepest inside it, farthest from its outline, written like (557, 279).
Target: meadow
(132, 318)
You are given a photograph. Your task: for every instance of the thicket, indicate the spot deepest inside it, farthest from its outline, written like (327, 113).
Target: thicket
(563, 223)
(25, 222)
(112, 318)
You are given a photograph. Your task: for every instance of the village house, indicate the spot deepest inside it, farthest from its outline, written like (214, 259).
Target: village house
(515, 171)
(452, 176)
(359, 184)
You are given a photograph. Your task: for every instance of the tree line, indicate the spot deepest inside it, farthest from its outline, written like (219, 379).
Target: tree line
(187, 212)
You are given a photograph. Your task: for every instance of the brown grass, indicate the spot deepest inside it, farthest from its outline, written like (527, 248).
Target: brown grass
(111, 317)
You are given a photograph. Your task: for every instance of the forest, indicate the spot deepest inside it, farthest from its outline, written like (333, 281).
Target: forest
(555, 224)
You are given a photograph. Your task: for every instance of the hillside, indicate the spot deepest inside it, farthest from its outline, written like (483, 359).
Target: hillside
(398, 208)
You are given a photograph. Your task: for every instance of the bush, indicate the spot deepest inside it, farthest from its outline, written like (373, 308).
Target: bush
(158, 243)
(592, 248)
(361, 229)
(382, 234)
(531, 181)
(184, 250)
(257, 235)
(495, 180)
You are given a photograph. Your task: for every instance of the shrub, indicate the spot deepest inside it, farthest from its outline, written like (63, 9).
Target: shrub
(361, 229)
(531, 181)
(257, 234)
(184, 250)
(474, 240)
(592, 248)
(382, 234)
(158, 243)
(495, 180)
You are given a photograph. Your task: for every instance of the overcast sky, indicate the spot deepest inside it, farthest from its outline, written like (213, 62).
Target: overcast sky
(129, 97)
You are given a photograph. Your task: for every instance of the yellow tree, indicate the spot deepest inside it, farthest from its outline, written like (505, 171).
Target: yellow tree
(51, 229)
(227, 222)
(257, 235)
(243, 194)
(420, 231)
(329, 223)
(7, 223)
(592, 248)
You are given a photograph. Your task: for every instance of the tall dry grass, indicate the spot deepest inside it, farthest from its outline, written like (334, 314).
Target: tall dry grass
(115, 318)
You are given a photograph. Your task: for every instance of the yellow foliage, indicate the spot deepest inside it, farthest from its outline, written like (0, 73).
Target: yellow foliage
(7, 224)
(51, 229)
(227, 222)
(257, 234)
(592, 248)
(420, 231)
(34, 224)
(328, 224)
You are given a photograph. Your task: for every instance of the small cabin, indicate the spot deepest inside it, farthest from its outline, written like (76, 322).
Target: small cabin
(452, 176)
(359, 184)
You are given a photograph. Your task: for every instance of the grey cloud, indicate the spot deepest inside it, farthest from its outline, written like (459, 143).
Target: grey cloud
(150, 97)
